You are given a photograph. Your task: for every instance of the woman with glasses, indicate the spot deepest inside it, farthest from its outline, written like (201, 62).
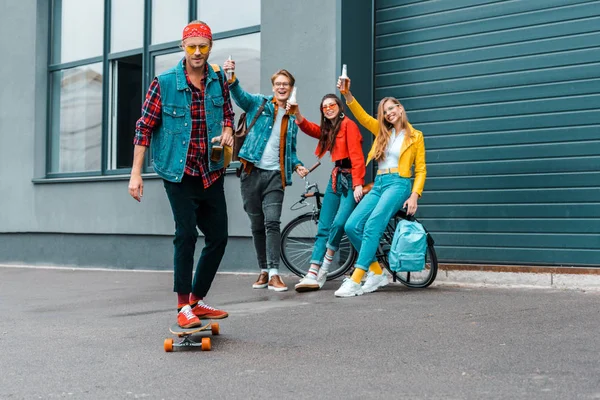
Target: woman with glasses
(397, 148)
(340, 137)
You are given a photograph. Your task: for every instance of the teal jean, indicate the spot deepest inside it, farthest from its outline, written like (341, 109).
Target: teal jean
(335, 211)
(370, 217)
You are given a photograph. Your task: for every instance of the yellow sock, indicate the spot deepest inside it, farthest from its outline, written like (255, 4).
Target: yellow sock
(375, 268)
(358, 274)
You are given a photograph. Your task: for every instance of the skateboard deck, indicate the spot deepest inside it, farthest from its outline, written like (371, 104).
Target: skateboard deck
(185, 334)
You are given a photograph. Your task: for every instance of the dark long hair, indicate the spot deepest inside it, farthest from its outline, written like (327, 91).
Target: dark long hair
(329, 128)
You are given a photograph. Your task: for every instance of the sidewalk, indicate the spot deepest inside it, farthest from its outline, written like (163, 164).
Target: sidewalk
(573, 278)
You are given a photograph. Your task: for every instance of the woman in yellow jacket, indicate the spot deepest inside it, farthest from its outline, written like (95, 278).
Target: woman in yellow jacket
(397, 148)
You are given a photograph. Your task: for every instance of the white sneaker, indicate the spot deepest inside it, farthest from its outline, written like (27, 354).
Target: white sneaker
(374, 282)
(307, 284)
(349, 289)
(322, 277)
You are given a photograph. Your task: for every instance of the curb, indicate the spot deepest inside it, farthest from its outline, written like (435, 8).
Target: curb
(570, 278)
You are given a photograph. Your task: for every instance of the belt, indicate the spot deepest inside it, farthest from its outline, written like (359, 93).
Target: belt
(387, 171)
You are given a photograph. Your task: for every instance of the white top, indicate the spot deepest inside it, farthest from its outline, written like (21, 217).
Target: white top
(270, 157)
(392, 153)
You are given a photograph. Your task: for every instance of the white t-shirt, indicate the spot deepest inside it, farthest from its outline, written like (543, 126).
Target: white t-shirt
(270, 157)
(392, 153)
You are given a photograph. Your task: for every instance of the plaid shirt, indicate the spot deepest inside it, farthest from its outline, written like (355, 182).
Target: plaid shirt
(197, 156)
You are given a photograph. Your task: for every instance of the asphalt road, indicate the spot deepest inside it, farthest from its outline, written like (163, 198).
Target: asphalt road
(99, 335)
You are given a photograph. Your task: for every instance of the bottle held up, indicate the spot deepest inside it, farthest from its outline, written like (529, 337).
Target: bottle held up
(345, 82)
(293, 102)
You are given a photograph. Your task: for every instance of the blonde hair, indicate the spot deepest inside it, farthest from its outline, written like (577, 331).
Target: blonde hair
(385, 128)
(285, 73)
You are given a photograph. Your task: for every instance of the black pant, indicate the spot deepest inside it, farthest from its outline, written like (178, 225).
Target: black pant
(192, 206)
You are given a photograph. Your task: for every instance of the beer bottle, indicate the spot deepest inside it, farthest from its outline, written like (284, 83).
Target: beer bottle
(229, 72)
(345, 82)
(292, 102)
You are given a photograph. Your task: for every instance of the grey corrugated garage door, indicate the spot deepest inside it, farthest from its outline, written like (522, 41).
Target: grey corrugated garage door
(507, 94)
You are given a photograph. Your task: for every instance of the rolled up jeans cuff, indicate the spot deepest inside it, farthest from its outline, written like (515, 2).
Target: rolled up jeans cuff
(361, 267)
(330, 247)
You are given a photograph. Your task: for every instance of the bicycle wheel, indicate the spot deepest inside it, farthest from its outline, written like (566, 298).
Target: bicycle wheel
(298, 241)
(420, 279)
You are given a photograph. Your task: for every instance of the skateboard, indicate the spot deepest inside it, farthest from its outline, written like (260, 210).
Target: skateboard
(185, 334)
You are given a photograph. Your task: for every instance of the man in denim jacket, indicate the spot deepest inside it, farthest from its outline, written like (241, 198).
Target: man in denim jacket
(186, 112)
(269, 159)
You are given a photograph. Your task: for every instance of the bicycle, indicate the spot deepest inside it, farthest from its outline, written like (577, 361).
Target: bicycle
(298, 239)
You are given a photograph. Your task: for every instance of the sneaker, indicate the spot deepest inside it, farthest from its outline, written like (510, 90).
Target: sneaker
(187, 319)
(262, 281)
(204, 311)
(308, 284)
(322, 277)
(276, 284)
(374, 282)
(349, 289)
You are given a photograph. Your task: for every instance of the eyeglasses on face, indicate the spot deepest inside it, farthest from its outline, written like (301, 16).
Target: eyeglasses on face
(191, 49)
(390, 108)
(327, 107)
(282, 84)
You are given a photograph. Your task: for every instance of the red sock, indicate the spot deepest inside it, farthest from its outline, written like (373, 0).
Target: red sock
(194, 300)
(183, 299)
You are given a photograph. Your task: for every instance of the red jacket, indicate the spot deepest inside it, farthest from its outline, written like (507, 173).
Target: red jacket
(348, 144)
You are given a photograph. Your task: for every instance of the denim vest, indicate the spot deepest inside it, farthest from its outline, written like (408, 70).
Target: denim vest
(170, 142)
(256, 140)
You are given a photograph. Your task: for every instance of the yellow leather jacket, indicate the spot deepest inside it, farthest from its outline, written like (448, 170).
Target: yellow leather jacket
(413, 148)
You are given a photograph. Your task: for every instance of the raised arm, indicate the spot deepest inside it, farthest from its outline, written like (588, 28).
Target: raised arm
(243, 99)
(359, 113)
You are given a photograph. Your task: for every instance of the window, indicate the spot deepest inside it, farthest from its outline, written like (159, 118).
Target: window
(238, 14)
(169, 17)
(79, 27)
(126, 98)
(127, 25)
(104, 55)
(76, 126)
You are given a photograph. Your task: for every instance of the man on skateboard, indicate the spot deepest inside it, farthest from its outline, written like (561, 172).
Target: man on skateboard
(187, 111)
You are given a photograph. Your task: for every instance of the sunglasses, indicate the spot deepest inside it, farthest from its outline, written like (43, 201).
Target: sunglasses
(191, 49)
(390, 108)
(327, 107)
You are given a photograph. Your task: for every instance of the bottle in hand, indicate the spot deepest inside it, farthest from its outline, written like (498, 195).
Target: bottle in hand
(229, 72)
(293, 102)
(345, 82)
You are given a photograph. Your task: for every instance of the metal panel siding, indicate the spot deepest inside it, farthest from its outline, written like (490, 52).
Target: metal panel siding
(507, 94)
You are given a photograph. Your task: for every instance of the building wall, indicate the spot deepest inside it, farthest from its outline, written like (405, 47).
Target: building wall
(507, 96)
(50, 214)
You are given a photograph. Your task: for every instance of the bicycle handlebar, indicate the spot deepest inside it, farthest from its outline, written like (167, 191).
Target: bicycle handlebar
(311, 169)
(312, 194)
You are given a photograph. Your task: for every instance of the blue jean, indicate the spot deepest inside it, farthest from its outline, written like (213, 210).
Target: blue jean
(335, 211)
(369, 219)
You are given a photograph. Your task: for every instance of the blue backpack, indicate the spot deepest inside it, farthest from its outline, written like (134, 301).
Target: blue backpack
(409, 246)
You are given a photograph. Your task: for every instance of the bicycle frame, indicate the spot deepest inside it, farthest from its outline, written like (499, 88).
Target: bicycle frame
(311, 190)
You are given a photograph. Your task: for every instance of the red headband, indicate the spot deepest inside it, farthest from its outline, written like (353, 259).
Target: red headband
(197, 30)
